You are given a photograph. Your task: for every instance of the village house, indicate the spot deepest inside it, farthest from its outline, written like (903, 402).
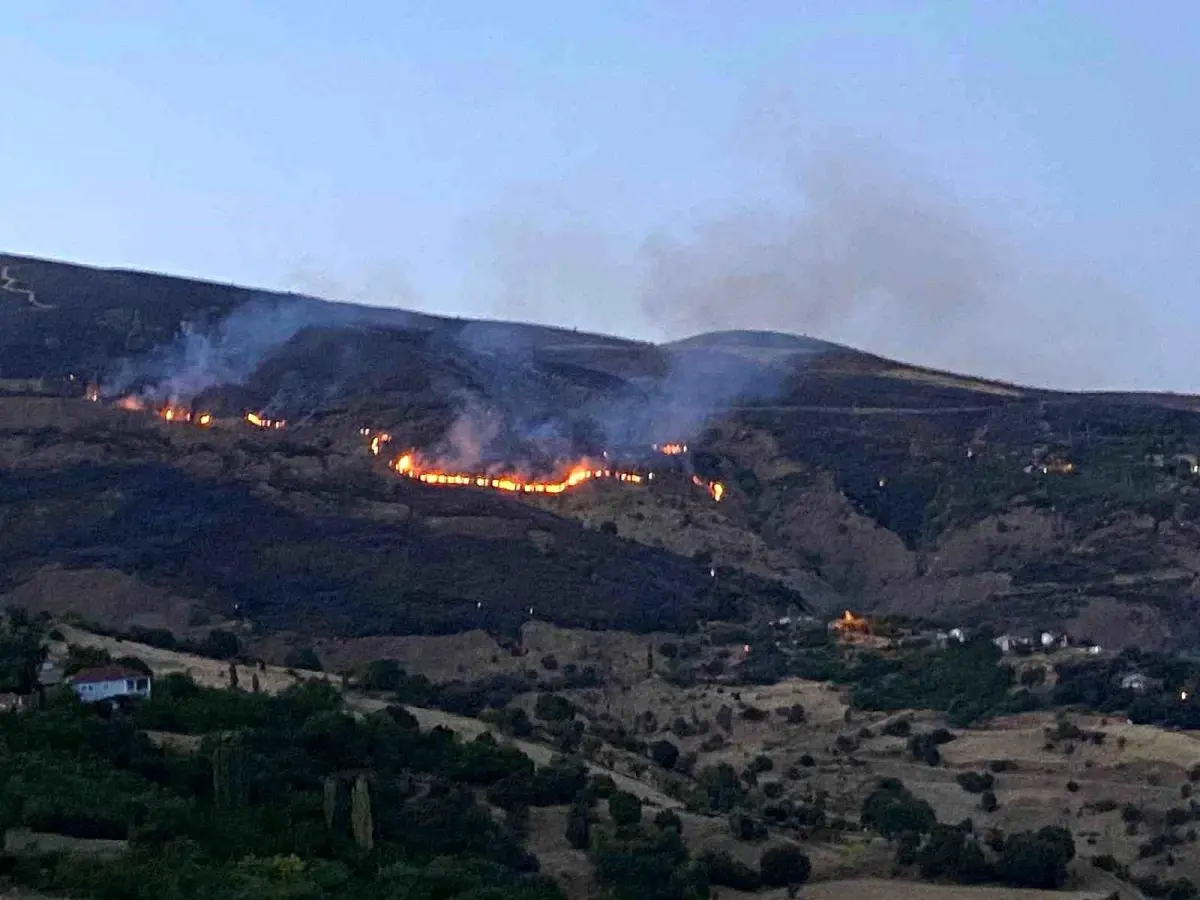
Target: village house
(1139, 683)
(109, 683)
(1011, 643)
(1053, 641)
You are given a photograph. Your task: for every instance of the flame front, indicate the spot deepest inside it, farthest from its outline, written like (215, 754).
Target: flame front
(179, 415)
(671, 449)
(408, 466)
(258, 420)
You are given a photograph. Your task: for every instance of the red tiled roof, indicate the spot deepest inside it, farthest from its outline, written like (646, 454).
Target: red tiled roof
(104, 673)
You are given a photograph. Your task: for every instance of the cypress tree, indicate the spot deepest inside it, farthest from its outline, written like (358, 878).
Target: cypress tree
(361, 823)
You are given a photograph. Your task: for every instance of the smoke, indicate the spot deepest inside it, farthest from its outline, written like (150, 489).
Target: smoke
(230, 350)
(868, 242)
(861, 247)
(467, 440)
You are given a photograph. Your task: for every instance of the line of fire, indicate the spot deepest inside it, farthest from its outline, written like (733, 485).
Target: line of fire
(625, 467)
(181, 414)
(633, 466)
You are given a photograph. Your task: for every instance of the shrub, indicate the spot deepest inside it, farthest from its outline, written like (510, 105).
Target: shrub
(297, 658)
(898, 728)
(668, 818)
(625, 809)
(664, 753)
(783, 867)
(924, 748)
(553, 708)
(550, 662)
(1002, 765)
(761, 763)
(381, 675)
(725, 871)
(746, 828)
(1073, 787)
(1176, 817)
(988, 802)
(976, 782)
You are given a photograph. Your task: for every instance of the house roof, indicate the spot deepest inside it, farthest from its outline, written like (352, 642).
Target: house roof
(105, 673)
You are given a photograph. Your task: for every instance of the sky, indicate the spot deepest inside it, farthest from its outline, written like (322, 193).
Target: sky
(1004, 189)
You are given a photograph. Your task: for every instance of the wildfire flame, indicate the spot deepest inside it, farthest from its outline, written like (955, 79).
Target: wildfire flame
(131, 403)
(378, 440)
(671, 449)
(408, 466)
(258, 420)
(93, 393)
(181, 415)
(175, 414)
(715, 489)
(852, 623)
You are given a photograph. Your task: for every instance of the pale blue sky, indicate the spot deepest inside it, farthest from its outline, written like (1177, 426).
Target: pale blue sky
(518, 158)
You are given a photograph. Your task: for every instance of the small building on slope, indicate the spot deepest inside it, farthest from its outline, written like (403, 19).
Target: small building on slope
(109, 683)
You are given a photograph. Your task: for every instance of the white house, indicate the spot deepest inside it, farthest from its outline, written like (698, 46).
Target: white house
(1137, 682)
(109, 683)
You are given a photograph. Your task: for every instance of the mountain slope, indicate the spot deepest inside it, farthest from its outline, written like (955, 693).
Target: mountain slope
(850, 479)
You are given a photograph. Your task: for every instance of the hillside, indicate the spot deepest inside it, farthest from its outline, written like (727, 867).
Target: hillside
(848, 479)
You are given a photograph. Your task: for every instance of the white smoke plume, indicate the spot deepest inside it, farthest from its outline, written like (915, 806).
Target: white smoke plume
(863, 248)
(229, 351)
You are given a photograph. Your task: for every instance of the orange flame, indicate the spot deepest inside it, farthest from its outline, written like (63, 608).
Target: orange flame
(93, 393)
(378, 440)
(715, 489)
(671, 449)
(131, 403)
(204, 420)
(408, 466)
(258, 420)
(852, 623)
(175, 414)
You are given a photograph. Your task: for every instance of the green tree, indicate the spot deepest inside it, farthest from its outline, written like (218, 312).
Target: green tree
(303, 658)
(21, 650)
(381, 675)
(578, 826)
(553, 708)
(892, 810)
(625, 809)
(725, 871)
(783, 866)
(362, 825)
(1037, 859)
(664, 753)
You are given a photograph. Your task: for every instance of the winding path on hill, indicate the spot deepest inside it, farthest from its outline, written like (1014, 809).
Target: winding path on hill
(10, 283)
